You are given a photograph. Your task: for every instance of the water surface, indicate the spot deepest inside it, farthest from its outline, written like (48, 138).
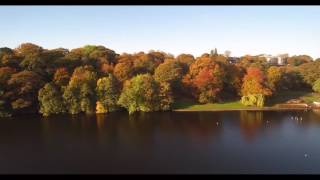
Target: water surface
(162, 142)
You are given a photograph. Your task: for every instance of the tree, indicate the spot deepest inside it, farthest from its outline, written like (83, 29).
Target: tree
(233, 80)
(5, 110)
(209, 84)
(50, 100)
(123, 71)
(275, 76)
(26, 49)
(107, 94)
(143, 63)
(170, 72)
(71, 97)
(165, 96)
(9, 58)
(253, 100)
(61, 77)
(292, 79)
(254, 82)
(298, 60)
(79, 95)
(310, 72)
(5, 75)
(316, 86)
(185, 60)
(254, 61)
(206, 77)
(24, 87)
(140, 94)
(158, 57)
(87, 98)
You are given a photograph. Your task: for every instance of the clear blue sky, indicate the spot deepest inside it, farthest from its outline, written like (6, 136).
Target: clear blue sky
(174, 29)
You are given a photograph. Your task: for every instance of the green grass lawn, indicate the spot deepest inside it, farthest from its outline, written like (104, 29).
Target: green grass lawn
(308, 97)
(209, 106)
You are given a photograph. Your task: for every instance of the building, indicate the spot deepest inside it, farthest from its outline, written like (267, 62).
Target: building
(233, 60)
(280, 59)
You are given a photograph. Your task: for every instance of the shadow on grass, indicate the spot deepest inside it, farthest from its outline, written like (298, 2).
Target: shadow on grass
(283, 97)
(183, 104)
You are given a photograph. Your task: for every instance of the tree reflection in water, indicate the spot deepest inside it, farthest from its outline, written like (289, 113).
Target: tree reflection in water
(144, 128)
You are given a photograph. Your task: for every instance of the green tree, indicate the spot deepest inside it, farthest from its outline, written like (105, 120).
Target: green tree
(50, 100)
(140, 94)
(79, 95)
(71, 97)
(253, 100)
(87, 98)
(107, 94)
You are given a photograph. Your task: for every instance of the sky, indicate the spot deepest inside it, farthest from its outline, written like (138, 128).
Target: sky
(174, 29)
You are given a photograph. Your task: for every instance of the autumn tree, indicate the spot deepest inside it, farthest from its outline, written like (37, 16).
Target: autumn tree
(79, 95)
(26, 49)
(185, 60)
(24, 87)
(233, 80)
(9, 58)
(206, 77)
(61, 77)
(310, 72)
(158, 57)
(274, 77)
(5, 75)
(254, 61)
(209, 84)
(254, 82)
(107, 94)
(298, 60)
(170, 72)
(165, 96)
(140, 94)
(124, 68)
(143, 63)
(50, 100)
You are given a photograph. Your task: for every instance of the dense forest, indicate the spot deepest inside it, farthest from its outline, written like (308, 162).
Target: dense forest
(95, 79)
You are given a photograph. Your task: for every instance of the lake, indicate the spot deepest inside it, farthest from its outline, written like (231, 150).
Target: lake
(162, 142)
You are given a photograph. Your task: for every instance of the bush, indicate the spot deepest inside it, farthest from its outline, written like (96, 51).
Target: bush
(253, 100)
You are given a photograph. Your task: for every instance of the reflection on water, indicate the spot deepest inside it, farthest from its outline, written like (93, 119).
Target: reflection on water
(162, 142)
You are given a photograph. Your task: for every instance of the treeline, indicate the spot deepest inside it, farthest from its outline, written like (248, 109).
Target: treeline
(95, 79)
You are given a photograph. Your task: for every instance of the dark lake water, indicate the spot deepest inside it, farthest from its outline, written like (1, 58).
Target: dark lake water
(167, 142)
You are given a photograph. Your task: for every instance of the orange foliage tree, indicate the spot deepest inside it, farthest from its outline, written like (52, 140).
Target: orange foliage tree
(254, 82)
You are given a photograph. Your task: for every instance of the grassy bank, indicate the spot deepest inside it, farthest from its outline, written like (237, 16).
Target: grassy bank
(280, 98)
(209, 106)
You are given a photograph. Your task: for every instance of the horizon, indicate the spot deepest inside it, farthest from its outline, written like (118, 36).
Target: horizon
(193, 30)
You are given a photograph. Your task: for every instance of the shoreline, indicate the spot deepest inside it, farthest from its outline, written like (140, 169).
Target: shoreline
(244, 109)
